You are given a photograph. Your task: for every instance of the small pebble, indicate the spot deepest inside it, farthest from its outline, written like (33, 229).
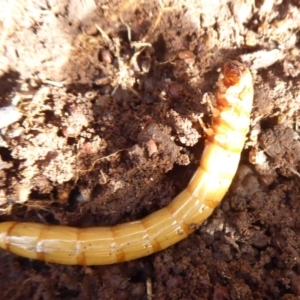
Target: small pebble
(9, 115)
(106, 56)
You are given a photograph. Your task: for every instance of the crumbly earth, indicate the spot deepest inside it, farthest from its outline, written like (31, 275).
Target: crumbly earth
(104, 99)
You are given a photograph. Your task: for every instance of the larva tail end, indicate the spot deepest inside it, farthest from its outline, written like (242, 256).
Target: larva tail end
(4, 231)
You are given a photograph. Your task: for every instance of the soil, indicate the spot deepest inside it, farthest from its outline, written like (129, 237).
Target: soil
(99, 110)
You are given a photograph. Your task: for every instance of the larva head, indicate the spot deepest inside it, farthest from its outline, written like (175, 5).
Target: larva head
(235, 86)
(232, 72)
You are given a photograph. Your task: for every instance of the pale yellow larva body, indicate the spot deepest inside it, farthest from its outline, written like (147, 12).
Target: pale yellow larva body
(169, 225)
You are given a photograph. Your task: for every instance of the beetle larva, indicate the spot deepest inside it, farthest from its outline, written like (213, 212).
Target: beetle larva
(167, 226)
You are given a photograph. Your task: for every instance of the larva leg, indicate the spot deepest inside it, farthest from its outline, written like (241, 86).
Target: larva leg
(214, 111)
(207, 130)
(161, 229)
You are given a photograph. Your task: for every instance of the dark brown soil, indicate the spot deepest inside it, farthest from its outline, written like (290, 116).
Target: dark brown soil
(99, 105)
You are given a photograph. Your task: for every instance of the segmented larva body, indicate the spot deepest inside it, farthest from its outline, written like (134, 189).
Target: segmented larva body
(167, 226)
